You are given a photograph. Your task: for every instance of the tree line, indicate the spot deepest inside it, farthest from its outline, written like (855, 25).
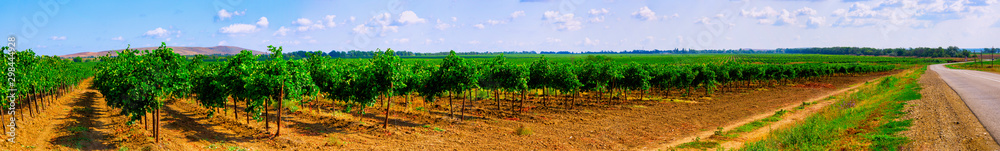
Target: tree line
(950, 51)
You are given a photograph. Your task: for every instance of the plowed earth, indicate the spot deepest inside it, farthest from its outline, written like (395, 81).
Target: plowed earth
(81, 120)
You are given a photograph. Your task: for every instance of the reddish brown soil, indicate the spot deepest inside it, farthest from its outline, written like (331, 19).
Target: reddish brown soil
(814, 85)
(632, 125)
(608, 124)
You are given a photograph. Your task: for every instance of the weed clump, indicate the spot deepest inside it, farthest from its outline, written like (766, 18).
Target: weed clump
(698, 144)
(334, 141)
(523, 130)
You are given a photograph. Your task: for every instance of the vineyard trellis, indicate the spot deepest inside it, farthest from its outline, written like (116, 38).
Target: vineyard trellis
(39, 81)
(139, 82)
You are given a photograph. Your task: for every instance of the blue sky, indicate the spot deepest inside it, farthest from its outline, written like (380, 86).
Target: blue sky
(57, 27)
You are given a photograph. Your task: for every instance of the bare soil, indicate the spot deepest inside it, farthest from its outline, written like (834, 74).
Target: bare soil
(942, 121)
(616, 124)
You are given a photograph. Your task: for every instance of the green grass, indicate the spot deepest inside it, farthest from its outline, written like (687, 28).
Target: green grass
(755, 124)
(804, 104)
(698, 144)
(214, 146)
(434, 128)
(523, 130)
(335, 141)
(988, 66)
(866, 120)
(722, 134)
(77, 129)
(235, 148)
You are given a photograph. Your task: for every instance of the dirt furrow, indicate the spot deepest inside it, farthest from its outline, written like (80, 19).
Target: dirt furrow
(68, 122)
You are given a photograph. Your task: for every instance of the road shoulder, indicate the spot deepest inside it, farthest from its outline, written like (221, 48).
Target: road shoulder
(942, 121)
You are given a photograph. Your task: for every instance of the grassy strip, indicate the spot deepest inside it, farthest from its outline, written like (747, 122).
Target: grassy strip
(733, 133)
(988, 66)
(720, 135)
(753, 125)
(865, 120)
(698, 144)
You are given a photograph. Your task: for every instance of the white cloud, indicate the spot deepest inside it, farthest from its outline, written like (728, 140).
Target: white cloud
(588, 42)
(454, 19)
(479, 26)
(597, 19)
(221, 43)
(817, 21)
(429, 41)
(596, 12)
(158, 32)
(352, 18)
(649, 39)
(597, 15)
(786, 17)
(474, 42)
(223, 14)
(763, 13)
(442, 26)
(771, 16)
(644, 13)
(401, 41)
(329, 21)
(302, 21)
(553, 40)
(361, 29)
(765, 21)
(408, 17)
(382, 19)
(239, 29)
(282, 31)
(119, 38)
(906, 13)
(563, 22)
(495, 22)
(305, 24)
(262, 22)
(379, 25)
(703, 20)
(805, 11)
(58, 38)
(516, 14)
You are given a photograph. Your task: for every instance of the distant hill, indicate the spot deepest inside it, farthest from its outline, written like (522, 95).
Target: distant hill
(225, 50)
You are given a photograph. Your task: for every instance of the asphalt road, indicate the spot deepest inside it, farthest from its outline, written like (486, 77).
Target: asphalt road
(980, 91)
